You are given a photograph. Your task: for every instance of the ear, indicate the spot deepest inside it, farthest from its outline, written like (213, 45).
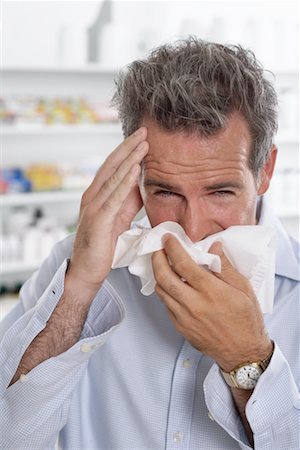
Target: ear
(267, 172)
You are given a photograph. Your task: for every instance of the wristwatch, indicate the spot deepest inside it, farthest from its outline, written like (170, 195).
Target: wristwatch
(246, 375)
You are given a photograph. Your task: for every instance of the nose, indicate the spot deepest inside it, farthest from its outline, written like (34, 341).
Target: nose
(196, 222)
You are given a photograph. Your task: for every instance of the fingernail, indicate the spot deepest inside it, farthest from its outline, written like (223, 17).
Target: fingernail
(218, 248)
(139, 131)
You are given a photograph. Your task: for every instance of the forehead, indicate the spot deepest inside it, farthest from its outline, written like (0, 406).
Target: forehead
(180, 151)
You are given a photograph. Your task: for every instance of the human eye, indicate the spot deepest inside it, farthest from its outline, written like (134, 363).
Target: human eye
(223, 193)
(163, 193)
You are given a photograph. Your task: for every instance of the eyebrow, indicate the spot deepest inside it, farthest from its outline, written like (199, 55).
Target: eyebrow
(213, 187)
(224, 185)
(162, 185)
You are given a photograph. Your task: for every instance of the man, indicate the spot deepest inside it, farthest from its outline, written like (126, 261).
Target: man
(199, 121)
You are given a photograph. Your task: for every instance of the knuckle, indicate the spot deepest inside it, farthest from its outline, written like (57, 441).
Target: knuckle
(196, 278)
(173, 290)
(110, 161)
(112, 180)
(88, 210)
(157, 290)
(106, 187)
(160, 293)
(184, 321)
(107, 207)
(196, 311)
(158, 274)
(180, 265)
(84, 198)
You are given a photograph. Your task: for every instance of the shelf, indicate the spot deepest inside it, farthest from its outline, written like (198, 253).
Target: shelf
(94, 68)
(84, 69)
(37, 129)
(32, 198)
(103, 128)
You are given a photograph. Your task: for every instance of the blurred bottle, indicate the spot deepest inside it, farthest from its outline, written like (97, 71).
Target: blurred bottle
(95, 32)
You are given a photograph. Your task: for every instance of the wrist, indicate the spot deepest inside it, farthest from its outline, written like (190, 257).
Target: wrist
(76, 284)
(247, 374)
(258, 354)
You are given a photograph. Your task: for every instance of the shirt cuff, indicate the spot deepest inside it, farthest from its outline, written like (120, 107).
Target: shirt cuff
(221, 407)
(105, 314)
(272, 410)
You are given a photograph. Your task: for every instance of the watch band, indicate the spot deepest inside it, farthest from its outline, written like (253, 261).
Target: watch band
(261, 366)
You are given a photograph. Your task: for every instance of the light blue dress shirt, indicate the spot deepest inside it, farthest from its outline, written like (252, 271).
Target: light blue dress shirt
(132, 382)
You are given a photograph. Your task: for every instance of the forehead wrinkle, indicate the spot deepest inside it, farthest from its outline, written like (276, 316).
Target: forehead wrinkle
(196, 170)
(192, 166)
(158, 178)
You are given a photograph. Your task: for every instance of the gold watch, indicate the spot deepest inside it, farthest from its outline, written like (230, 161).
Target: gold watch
(246, 375)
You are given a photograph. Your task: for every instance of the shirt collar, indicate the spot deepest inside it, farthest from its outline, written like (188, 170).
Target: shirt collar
(287, 263)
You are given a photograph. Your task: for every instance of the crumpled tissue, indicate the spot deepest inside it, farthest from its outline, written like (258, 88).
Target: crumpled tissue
(250, 249)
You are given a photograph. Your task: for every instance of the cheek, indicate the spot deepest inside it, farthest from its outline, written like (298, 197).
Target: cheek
(240, 212)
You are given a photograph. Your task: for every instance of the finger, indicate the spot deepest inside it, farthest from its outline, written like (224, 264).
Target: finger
(117, 177)
(168, 280)
(112, 206)
(132, 205)
(113, 162)
(182, 263)
(176, 310)
(229, 274)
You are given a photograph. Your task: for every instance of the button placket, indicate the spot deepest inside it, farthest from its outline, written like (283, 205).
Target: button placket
(182, 393)
(178, 436)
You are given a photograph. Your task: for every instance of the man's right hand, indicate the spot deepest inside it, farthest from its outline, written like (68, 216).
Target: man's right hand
(107, 208)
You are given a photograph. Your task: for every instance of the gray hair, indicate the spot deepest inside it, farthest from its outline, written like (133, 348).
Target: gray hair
(194, 86)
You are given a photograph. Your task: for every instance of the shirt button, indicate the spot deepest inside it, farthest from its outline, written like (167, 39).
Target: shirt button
(187, 364)
(85, 348)
(210, 416)
(178, 436)
(23, 378)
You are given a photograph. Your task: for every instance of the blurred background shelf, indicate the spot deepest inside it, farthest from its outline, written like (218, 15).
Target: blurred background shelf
(63, 69)
(40, 198)
(72, 130)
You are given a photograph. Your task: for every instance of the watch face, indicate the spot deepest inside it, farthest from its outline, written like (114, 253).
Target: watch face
(247, 376)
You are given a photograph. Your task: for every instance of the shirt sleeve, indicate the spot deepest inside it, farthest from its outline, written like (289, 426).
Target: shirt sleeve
(273, 410)
(35, 408)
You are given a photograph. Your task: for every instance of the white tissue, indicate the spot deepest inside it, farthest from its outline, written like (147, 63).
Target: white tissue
(250, 249)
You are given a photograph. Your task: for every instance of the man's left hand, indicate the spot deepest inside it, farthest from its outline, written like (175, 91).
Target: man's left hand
(218, 313)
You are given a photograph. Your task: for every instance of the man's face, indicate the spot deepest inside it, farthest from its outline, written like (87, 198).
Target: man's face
(203, 183)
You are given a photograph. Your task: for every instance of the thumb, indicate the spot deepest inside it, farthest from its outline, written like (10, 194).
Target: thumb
(229, 273)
